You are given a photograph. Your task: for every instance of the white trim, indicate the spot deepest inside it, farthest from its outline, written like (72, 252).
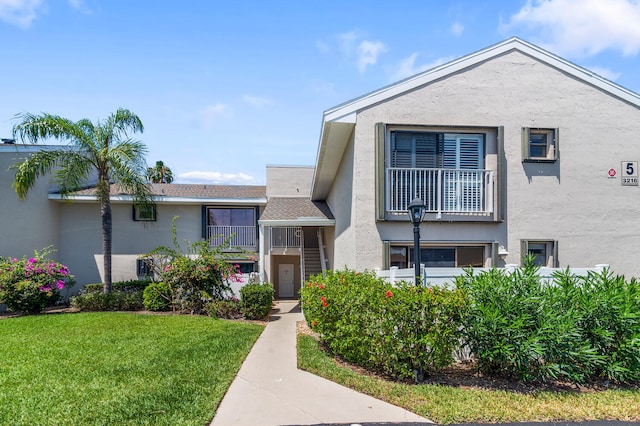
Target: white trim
(164, 199)
(24, 148)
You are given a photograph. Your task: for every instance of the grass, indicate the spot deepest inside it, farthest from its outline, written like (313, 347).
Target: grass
(449, 404)
(117, 368)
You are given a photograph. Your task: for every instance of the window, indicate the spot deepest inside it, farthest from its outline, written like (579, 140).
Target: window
(539, 145)
(237, 226)
(544, 253)
(439, 257)
(144, 267)
(231, 217)
(144, 213)
(246, 267)
(431, 150)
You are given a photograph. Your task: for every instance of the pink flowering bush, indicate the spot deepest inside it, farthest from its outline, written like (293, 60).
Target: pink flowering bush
(31, 284)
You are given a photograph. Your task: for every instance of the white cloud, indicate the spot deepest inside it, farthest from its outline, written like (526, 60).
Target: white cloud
(256, 101)
(605, 72)
(457, 28)
(408, 67)
(585, 27)
(76, 4)
(368, 52)
(212, 113)
(348, 41)
(20, 12)
(216, 178)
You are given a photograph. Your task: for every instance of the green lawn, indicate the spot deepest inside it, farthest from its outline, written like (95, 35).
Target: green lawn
(118, 368)
(449, 404)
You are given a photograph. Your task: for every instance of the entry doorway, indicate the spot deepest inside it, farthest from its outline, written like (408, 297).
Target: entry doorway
(286, 280)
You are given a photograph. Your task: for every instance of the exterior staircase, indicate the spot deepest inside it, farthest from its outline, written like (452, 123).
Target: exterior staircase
(312, 264)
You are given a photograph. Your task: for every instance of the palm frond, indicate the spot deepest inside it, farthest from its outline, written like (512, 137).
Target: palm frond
(38, 164)
(36, 128)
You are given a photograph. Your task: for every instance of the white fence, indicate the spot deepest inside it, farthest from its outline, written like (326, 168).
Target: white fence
(445, 277)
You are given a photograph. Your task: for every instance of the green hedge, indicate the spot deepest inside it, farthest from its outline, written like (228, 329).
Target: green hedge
(119, 286)
(116, 301)
(157, 297)
(575, 329)
(256, 300)
(400, 331)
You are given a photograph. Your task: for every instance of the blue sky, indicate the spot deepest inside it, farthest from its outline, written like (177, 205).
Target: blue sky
(225, 88)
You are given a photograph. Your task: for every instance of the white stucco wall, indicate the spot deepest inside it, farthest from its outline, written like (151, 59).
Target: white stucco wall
(572, 201)
(81, 236)
(26, 225)
(289, 181)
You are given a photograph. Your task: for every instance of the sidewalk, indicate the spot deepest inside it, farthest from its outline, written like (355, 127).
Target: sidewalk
(270, 390)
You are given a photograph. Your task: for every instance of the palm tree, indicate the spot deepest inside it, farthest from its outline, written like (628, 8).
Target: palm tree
(160, 173)
(102, 149)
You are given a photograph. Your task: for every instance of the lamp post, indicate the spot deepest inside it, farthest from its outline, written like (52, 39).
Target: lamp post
(416, 210)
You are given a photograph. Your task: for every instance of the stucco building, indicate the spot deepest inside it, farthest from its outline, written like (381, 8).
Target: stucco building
(513, 150)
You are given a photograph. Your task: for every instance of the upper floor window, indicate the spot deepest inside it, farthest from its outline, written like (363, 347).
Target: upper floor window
(539, 145)
(231, 216)
(144, 213)
(434, 150)
(237, 226)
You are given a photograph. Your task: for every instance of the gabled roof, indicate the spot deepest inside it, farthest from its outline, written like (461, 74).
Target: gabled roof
(338, 122)
(296, 211)
(183, 194)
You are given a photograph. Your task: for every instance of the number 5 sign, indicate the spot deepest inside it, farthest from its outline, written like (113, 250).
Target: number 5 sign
(629, 173)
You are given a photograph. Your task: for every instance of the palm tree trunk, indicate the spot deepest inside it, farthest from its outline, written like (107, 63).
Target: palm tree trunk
(107, 228)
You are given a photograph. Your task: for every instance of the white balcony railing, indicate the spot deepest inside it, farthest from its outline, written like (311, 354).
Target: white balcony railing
(241, 236)
(442, 190)
(285, 237)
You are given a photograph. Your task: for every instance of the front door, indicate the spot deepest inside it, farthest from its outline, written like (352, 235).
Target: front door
(285, 280)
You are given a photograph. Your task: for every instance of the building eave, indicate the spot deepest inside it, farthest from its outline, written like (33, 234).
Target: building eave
(302, 221)
(163, 200)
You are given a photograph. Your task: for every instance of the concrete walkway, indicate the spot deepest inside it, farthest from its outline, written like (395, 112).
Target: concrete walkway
(270, 390)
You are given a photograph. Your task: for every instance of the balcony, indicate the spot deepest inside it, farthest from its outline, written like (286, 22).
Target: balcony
(448, 191)
(243, 237)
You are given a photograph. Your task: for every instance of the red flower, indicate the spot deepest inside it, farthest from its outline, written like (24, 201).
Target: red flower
(324, 301)
(321, 286)
(388, 294)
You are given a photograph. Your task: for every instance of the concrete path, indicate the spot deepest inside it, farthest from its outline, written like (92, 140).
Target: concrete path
(270, 390)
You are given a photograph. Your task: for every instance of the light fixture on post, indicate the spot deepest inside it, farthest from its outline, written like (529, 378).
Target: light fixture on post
(416, 210)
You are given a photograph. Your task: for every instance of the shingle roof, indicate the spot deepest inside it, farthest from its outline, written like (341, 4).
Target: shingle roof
(193, 191)
(295, 208)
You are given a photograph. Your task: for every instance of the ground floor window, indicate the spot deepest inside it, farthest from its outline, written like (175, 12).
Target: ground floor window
(543, 252)
(246, 267)
(439, 257)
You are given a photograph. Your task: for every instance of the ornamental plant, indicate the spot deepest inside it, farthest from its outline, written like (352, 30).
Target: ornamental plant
(402, 331)
(194, 278)
(30, 284)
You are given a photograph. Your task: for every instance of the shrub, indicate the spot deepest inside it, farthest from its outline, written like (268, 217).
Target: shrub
(256, 300)
(156, 297)
(227, 309)
(116, 301)
(119, 286)
(400, 331)
(574, 329)
(194, 278)
(31, 284)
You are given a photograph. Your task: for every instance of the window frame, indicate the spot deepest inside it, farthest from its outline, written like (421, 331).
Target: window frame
(408, 251)
(551, 146)
(137, 213)
(144, 267)
(551, 251)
